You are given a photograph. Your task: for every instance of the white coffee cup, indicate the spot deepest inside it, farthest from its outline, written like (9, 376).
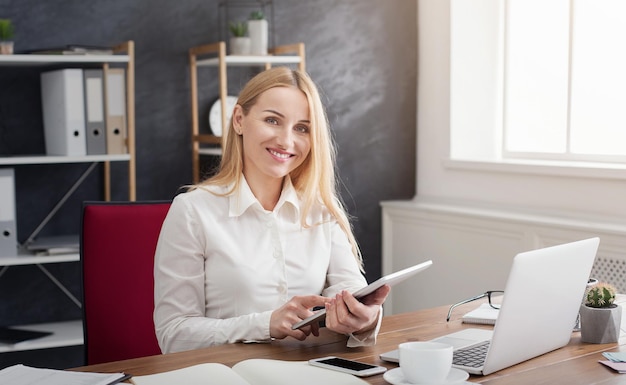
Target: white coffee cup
(425, 362)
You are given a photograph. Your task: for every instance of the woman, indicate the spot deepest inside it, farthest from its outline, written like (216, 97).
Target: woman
(246, 254)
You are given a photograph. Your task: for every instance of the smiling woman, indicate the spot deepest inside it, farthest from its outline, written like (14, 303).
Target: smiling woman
(249, 252)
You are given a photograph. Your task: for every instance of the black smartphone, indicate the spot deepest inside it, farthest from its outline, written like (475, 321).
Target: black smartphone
(356, 368)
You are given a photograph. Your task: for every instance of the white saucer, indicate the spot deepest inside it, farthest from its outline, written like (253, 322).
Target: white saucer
(396, 377)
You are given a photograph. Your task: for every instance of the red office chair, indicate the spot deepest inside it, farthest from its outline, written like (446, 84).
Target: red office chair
(117, 247)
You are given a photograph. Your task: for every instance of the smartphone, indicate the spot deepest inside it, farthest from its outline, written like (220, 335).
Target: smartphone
(356, 368)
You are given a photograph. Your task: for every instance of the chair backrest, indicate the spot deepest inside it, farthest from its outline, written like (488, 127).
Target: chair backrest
(117, 245)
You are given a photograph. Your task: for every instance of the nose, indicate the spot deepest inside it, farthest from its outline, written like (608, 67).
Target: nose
(284, 137)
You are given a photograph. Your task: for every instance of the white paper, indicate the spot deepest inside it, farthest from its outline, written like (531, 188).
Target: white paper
(484, 314)
(26, 375)
(277, 372)
(201, 374)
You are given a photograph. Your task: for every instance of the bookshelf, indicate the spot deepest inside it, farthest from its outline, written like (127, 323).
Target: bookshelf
(70, 333)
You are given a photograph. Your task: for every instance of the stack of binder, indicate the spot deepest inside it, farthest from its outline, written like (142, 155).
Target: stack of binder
(84, 111)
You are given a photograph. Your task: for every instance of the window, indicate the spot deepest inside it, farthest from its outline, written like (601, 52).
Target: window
(538, 79)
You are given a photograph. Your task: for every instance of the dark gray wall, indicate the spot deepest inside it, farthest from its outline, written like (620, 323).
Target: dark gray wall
(362, 54)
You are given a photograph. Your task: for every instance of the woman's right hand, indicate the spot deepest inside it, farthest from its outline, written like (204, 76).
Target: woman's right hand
(295, 310)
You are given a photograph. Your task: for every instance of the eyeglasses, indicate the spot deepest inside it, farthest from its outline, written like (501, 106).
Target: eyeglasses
(487, 294)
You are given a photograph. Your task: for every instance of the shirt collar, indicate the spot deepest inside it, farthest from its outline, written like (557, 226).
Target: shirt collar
(242, 199)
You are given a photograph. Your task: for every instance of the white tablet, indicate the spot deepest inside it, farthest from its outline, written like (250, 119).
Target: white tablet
(390, 280)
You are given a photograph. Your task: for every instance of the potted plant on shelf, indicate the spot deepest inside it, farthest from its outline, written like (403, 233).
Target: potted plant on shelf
(239, 42)
(600, 317)
(258, 31)
(6, 37)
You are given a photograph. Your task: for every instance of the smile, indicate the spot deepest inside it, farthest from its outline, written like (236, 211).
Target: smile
(280, 154)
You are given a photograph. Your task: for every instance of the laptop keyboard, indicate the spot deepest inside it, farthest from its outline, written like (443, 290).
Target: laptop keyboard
(473, 357)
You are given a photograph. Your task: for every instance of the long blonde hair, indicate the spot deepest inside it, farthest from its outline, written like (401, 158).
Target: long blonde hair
(314, 180)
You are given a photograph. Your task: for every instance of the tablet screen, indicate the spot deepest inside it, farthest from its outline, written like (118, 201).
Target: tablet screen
(390, 280)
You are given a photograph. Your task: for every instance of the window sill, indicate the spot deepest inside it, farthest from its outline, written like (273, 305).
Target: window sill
(549, 168)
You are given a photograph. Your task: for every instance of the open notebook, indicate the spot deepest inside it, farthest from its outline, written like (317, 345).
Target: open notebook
(529, 323)
(251, 372)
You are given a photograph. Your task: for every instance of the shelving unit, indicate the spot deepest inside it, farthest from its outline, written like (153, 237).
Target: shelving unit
(280, 55)
(124, 54)
(70, 333)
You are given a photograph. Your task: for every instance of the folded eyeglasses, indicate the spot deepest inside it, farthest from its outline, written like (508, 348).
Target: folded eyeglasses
(487, 294)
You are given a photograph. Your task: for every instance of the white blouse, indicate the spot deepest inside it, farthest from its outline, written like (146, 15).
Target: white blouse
(223, 264)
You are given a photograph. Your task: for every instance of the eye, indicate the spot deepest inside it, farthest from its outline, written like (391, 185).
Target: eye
(302, 128)
(271, 120)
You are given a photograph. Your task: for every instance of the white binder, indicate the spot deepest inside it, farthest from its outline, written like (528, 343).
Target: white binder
(64, 112)
(116, 110)
(95, 129)
(8, 228)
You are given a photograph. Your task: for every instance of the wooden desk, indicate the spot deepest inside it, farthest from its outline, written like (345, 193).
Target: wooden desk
(575, 363)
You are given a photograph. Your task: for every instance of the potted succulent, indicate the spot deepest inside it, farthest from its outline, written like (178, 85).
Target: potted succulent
(258, 31)
(239, 42)
(600, 317)
(6, 37)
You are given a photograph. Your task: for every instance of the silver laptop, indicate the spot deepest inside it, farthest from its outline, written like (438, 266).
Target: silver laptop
(541, 299)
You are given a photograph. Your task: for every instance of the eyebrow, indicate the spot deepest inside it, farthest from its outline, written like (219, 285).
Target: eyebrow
(282, 116)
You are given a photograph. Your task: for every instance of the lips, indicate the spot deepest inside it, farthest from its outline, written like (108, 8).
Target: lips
(279, 154)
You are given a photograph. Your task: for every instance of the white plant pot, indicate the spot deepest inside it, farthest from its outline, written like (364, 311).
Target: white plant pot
(258, 31)
(6, 47)
(240, 46)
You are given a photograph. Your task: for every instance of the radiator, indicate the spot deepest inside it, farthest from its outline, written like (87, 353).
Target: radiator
(610, 270)
(472, 248)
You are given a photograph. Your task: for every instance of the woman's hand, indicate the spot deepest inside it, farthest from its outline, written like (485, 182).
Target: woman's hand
(297, 309)
(345, 314)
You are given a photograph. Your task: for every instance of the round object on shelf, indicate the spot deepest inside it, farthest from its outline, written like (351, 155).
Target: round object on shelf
(215, 114)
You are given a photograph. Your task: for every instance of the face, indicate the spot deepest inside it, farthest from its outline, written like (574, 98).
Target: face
(276, 134)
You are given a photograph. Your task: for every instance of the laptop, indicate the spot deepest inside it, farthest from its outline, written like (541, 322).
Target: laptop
(543, 294)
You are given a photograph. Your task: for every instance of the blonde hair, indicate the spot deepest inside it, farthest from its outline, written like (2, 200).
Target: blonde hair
(314, 180)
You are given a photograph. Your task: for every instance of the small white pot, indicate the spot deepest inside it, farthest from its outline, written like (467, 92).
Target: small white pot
(6, 47)
(258, 31)
(240, 46)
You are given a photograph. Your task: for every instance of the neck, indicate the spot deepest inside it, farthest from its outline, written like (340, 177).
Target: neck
(266, 191)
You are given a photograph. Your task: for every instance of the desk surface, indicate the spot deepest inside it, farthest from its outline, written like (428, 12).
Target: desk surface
(576, 363)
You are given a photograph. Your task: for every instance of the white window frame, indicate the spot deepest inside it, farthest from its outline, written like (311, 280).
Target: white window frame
(476, 132)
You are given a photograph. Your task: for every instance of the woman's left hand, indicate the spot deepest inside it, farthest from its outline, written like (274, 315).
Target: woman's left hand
(345, 314)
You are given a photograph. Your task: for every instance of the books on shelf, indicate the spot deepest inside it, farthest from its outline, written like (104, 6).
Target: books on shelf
(84, 111)
(27, 375)
(250, 372)
(55, 245)
(72, 49)
(484, 314)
